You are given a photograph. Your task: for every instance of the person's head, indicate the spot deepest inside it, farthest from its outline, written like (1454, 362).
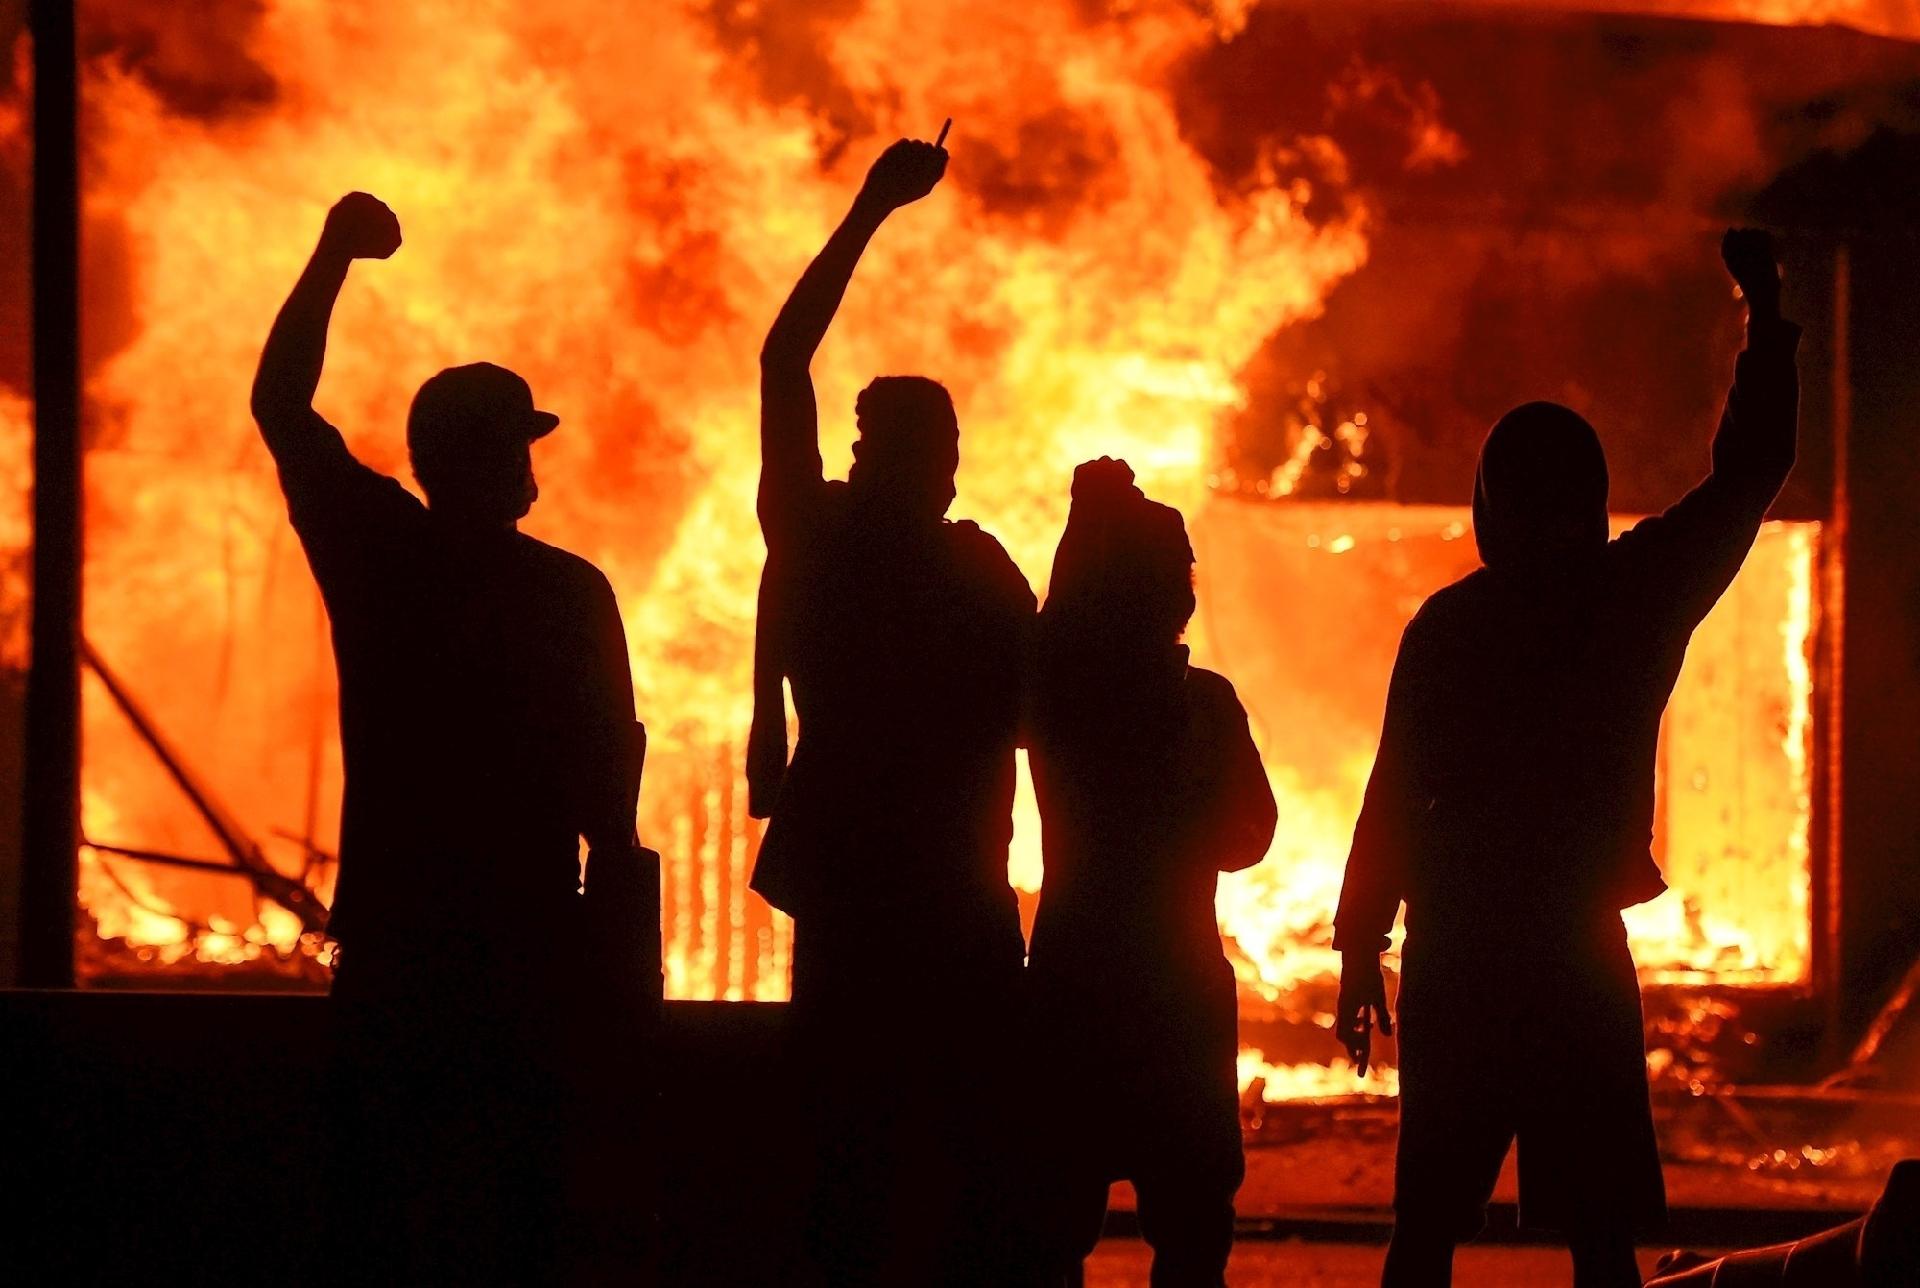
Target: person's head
(1540, 495)
(470, 435)
(1124, 569)
(909, 447)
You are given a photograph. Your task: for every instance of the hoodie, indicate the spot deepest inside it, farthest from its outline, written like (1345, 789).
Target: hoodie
(1513, 792)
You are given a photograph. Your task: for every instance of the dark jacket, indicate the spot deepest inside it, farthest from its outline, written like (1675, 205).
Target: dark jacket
(1514, 785)
(905, 653)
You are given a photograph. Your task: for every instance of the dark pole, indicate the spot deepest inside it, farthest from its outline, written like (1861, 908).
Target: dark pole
(50, 830)
(1829, 967)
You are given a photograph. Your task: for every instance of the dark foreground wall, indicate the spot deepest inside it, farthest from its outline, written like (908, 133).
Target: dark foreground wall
(171, 1138)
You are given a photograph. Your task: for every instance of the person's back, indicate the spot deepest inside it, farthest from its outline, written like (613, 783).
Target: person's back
(1149, 786)
(470, 687)
(1133, 783)
(1542, 782)
(486, 716)
(1511, 808)
(904, 650)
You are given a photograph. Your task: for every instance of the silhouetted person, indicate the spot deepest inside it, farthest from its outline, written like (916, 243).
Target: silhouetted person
(1511, 809)
(1149, 787)
(1878, 1250)
(486, 720)
(902, 635)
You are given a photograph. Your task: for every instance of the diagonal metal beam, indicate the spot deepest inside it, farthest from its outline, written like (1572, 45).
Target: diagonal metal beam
(244, 853)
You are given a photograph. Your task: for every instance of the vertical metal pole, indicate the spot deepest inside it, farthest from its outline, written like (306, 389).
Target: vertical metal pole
(1829, 964)
(50, 830)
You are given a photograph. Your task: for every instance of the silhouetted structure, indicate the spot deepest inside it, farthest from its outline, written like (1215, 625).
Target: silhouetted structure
(1511, 809)
(1149, 786)
(486, 716)
(902, 636)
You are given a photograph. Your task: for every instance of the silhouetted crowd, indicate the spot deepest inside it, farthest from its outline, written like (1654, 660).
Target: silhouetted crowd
(969, 1097)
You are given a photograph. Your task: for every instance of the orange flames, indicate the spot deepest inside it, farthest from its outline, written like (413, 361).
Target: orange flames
(622, 239)
(615, 208)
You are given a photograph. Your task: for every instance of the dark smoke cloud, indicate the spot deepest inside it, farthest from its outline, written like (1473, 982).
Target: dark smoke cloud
(196, 61)
(195, 58)
(1564, 248)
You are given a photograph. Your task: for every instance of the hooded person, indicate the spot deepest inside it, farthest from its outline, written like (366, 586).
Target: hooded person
(1149, 786)
(1511, 809)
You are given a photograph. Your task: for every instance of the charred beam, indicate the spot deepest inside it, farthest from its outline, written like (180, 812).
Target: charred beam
(161, 858)
(245, 854)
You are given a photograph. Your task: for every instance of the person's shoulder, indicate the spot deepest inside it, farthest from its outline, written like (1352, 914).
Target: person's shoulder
(390, 491)
(968, 535)
(344, 502)
(827, 510)
(1212, 691)
(981, 553)
(1450, 611)
(1459, 595)
(577, 572)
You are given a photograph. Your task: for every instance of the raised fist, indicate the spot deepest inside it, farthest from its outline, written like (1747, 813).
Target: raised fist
(361, 227)
(1106, 479)
(905, 172)
(1749, 256)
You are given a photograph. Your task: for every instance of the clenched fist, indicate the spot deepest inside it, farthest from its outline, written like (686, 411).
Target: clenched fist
(361, 227)
(905, 172)
(1749, 256)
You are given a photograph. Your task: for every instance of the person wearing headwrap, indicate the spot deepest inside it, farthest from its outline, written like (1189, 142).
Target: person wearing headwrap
(1149, 786)
(1511, 809)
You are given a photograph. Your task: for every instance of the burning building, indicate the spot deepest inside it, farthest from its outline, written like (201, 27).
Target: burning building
(1289, 260)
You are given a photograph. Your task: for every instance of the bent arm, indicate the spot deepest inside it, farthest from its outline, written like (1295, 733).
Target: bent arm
(790, 467)
(1699, 543)
(789, 421)
(1245, 812)
(291, 362)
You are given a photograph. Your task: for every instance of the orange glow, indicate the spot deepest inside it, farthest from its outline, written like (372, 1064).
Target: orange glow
(623, 241)
(1880, 17)
(616, 210)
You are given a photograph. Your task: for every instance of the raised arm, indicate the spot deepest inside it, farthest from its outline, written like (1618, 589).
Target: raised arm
(789, 422)
(358, 227)
(1699, 543)
(790, 471)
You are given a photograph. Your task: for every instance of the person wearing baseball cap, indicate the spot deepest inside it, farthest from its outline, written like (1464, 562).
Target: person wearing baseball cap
(468, 435)
(486, 726)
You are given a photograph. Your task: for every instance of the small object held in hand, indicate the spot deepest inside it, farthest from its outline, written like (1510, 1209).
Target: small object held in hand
(945, 126)
(904, 173)
(1753, 262)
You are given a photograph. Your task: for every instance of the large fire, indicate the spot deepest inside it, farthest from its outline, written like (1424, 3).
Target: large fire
(615, 208)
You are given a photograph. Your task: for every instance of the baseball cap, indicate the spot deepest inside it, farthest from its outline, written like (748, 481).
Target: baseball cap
(462, 407)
